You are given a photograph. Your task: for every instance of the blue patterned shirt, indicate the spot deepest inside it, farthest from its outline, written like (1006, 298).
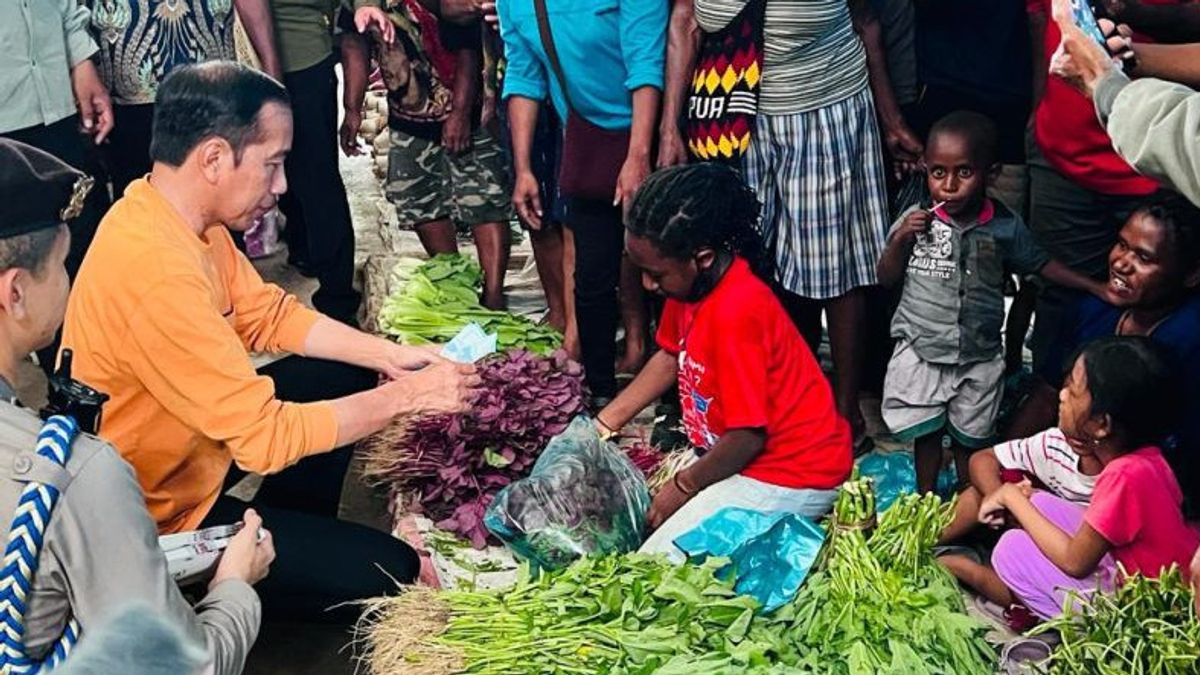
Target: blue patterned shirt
(142, 41)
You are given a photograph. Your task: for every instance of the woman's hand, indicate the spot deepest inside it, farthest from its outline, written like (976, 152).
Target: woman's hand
(672, 151)
(246, 558)
(668, 500)
(367, 17)
(633, 174)
(527, 200)
(95, 106)
(904, 147)
(444, 387)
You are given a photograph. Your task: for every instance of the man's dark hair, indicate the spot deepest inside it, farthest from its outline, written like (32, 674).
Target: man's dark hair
(979, 131)
(688, 208)
(1181, 219)
(1134, 382)
(215, 98)
(28, 251)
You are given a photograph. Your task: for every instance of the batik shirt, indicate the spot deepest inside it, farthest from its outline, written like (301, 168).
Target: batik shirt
(142, 41)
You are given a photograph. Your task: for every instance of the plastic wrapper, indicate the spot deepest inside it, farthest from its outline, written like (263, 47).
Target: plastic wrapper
(262, 240)
(914, 191)
(895, 474)
(771, 553)
(583, 497)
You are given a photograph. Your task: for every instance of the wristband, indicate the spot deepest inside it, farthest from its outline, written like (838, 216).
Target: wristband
(607, 433)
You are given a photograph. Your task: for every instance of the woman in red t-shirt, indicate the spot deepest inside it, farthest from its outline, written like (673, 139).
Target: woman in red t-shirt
(756, 405)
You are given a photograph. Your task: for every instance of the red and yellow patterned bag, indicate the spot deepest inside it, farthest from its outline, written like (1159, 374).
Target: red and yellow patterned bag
(723, 103)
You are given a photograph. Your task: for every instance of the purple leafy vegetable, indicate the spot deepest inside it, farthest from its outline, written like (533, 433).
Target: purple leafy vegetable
(449, 466)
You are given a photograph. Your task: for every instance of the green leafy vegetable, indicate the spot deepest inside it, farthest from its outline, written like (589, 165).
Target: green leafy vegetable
(434, 300)
(1147, 627)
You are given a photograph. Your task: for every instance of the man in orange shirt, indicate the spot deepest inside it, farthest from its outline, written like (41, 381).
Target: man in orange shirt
(164, 312)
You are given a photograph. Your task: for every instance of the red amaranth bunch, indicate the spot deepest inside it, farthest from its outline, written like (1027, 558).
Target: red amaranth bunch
(450, 466)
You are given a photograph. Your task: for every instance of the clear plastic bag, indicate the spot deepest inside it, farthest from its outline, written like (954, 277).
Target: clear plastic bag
(583, 497)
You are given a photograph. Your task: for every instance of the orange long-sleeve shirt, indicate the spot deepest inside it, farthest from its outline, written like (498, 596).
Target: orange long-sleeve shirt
(161, 320)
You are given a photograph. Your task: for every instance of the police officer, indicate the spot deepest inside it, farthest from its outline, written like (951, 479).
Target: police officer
(99, 548)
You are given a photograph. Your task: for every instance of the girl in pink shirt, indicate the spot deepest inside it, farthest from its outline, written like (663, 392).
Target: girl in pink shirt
(1118, 400)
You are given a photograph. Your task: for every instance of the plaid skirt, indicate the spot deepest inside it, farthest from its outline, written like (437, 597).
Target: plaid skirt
(820, 178)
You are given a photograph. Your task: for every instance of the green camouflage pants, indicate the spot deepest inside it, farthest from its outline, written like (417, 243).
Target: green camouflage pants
(427, 183)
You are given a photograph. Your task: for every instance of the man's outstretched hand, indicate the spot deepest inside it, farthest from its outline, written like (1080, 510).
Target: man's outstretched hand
(1079, 59)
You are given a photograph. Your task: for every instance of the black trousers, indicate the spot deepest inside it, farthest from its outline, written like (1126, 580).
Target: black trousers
(64, 140)
(319, 230)
(321, 562)
(127, 153)
(599, 245)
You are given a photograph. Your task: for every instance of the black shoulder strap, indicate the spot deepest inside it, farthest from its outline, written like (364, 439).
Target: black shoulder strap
(543, 20)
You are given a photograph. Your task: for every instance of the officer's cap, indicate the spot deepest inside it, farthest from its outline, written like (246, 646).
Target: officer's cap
(37, 189)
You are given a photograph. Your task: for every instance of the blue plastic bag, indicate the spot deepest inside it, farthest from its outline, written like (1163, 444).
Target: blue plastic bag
(771, 553)
(895, 474)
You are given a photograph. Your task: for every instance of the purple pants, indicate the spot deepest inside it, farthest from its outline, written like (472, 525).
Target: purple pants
(1030, 575)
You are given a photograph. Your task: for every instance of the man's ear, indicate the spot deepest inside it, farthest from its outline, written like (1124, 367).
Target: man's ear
(213, 154)
(705, 258)
(12, 291)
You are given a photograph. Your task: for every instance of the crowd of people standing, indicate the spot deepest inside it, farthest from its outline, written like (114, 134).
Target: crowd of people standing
(723, 183)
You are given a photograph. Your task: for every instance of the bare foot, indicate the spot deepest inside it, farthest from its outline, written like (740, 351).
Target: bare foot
(571, 345)
(556, 321)
(495, 300)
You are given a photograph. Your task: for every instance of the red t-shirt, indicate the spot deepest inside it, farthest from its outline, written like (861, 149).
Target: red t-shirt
(743, 365)
(1069, 133)
(1136, 507)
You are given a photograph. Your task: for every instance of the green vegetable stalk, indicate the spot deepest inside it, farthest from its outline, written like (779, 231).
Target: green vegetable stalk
(1147, 627)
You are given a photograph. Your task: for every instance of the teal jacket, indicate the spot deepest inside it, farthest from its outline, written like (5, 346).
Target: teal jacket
(608, 48)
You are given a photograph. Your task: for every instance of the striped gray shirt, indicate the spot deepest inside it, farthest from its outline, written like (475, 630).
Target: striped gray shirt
(813, 57)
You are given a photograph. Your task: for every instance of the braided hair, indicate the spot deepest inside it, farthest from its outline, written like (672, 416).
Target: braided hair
(684, 209)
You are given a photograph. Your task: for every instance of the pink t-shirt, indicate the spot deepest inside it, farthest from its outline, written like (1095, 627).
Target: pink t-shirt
(1136, 507)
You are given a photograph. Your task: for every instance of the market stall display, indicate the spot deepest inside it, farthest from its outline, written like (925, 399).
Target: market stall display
(450, 466)
(433, 300)
(583, 497)
(1149, 626)
(878, 603)
(616, 614)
